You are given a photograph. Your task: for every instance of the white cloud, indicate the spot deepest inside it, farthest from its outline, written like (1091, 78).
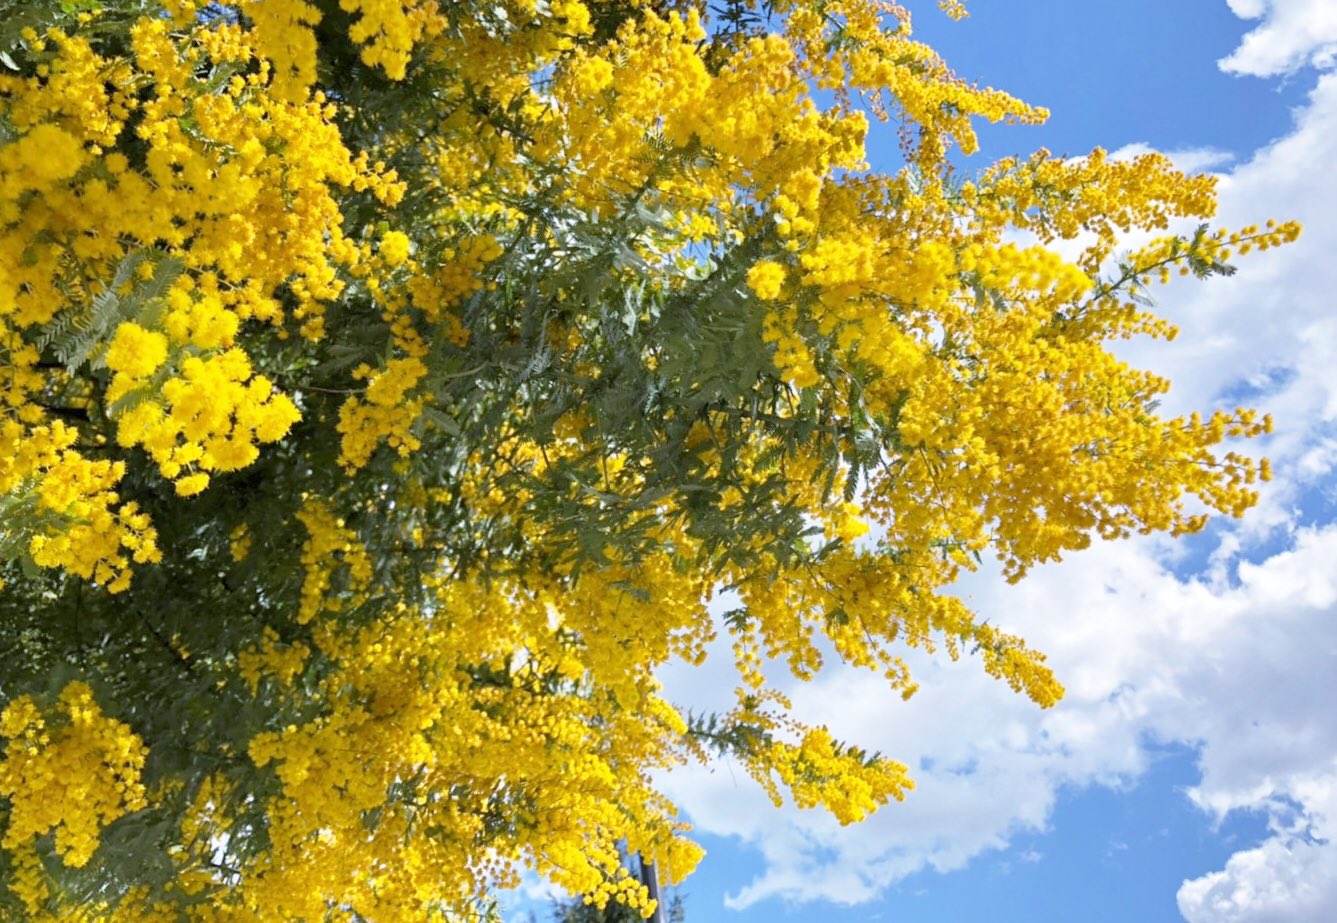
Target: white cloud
(1290, 878)
(1190, 160)
(1293, 34)
(1239, 661)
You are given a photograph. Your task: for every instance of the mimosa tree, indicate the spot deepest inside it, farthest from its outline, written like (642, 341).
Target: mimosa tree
(388, 386)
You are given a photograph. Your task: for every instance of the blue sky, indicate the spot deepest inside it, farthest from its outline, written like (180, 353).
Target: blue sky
(1110, 855)
(1191, 774)
(1115, 72)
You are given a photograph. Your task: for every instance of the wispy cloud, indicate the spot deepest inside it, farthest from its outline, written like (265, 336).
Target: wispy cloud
(1292, 876)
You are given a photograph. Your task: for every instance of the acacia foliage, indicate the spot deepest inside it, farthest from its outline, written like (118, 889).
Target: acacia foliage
(386, 386)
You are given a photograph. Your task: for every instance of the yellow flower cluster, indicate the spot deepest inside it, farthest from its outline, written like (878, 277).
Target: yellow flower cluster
(460, 274)
(237, 183)
(388, 30)
(383, 413)
(136, 352)
(767, 279)
(848, 48)
(90, 538)
(818, 772)
(70, 773)
(88, 95)
(403, 705)
(793, 358)
(327, 536)
(272, 659)
(78, 523)
(239, 542)
(395, 247)
(212, 416)
(765, 136)
(1057, 198)
(284, 39)
(954, 8)
(41, 158)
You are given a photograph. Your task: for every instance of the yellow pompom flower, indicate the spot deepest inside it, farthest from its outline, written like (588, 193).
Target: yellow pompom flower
(766, 279)
(192, 484)
(136, 352)
(395, 247)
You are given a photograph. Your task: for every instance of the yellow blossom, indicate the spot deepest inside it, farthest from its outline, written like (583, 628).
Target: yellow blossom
(767, 279)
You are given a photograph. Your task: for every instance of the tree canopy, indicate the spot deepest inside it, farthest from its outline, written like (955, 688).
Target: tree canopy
(389, 388)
